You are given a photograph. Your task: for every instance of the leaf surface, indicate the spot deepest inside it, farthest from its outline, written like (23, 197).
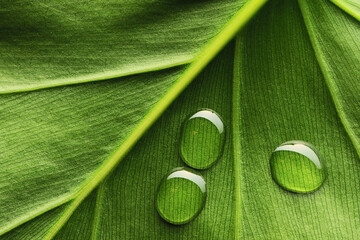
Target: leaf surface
(45, 43)
(284, 96)
(75, 116)
(65, 135)
(282, 80)
(337, 47)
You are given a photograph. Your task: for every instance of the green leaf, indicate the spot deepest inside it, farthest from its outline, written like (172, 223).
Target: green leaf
(291, 74)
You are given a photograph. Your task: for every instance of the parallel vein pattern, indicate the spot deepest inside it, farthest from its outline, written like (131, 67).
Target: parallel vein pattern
(280, 93)
(51, 153)
(93, 177)
(337, 48)
(283, 96)
(45, 43)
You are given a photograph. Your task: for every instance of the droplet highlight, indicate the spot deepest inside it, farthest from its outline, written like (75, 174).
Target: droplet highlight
(181, 196)
(298, 166)
(202, 139)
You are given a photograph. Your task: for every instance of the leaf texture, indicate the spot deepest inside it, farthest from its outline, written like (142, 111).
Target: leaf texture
(337, 47)
(45, 43)
(61, 129)
(283, 96)
(65, 135)
(292, 74)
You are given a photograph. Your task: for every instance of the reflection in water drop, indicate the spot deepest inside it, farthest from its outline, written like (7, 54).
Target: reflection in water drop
(202, 139)
(181, 196)
(298, 167)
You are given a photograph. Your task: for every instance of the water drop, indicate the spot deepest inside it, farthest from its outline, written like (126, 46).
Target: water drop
(181, 196)
(298, 166)
(202, 139)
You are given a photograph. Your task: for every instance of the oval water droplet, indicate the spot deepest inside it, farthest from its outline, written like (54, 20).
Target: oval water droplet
(298, 166)
(181, 196)
(202, 139)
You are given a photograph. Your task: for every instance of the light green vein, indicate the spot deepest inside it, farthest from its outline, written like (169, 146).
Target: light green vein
(236, 137)
(95, 77)
(97, 213)
(349, 7)
(207, 54)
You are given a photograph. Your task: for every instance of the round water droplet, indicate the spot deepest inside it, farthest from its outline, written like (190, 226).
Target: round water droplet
(202, 139)
(298, 167)
(181, 196)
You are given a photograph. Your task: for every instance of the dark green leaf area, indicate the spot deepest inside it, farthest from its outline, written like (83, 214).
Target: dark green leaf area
(46, 43)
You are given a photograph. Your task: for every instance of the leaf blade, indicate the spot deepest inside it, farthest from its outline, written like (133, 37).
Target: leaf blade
(258, 126)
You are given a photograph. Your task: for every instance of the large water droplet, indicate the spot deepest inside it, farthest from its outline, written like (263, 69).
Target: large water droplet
(202, 139)
(181, 196)
(298, 167)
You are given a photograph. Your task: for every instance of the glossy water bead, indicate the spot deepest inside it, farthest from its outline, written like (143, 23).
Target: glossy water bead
(202, 139)
(298, 166)
(181, 196)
